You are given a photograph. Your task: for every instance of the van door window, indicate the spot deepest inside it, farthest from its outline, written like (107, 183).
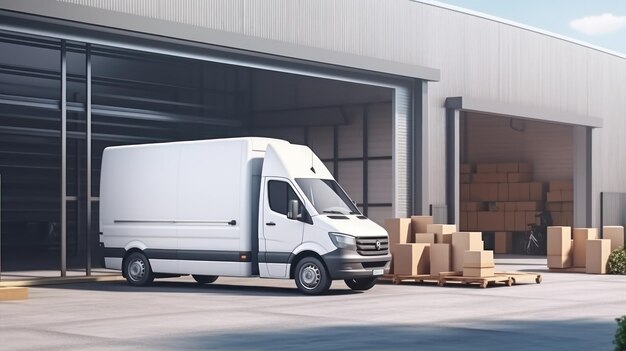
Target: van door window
(280, 193)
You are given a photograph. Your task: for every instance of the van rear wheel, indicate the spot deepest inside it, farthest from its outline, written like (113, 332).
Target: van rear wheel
(311, 277)
(361, 283)
(138, 270)
(204, 279)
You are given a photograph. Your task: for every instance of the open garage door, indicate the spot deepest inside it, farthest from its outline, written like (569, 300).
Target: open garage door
(116, 96)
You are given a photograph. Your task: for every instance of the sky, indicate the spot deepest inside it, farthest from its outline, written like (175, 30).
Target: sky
(598, 22)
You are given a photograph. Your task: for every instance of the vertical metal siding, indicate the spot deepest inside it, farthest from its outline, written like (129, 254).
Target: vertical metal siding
(478, 58)
(401, 145)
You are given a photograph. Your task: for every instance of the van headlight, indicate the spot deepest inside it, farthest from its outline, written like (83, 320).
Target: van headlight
(343, 241)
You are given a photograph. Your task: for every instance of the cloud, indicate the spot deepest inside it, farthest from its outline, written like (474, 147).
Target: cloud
(597, 25)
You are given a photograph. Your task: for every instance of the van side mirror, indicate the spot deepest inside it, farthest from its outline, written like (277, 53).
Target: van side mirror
(292, 209)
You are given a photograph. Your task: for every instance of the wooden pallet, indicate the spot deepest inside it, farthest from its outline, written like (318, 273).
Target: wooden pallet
(508, 278)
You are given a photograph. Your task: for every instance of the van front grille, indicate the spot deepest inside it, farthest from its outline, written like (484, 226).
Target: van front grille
(369, 247)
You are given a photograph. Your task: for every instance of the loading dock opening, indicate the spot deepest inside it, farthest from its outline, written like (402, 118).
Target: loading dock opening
(65, 101)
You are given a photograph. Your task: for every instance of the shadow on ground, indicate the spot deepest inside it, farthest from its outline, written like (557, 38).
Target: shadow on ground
(193, 288)
(505, 335)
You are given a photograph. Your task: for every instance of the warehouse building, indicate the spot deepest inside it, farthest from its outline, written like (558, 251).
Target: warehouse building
(396, 97)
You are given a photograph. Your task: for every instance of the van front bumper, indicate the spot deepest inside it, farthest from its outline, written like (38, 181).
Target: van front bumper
(346, 264)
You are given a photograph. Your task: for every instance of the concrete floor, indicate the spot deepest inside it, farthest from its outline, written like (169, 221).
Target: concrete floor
(564, 312)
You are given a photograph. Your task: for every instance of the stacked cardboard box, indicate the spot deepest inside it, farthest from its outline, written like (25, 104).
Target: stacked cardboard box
(581, 237)
(500, 197)
(559, 247)
(478, 263)
(560, 203)
(597, 255)
(411, 259)
(461, 242)
(615, 234)
(439, 259)
(503, 242)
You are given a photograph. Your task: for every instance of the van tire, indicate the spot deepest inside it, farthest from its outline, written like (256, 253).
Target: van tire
(137, 269)
(360, 284)
(204, 279)
(311, 277)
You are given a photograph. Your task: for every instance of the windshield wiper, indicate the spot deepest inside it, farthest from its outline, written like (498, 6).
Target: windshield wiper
(355, 212)
(334, 212)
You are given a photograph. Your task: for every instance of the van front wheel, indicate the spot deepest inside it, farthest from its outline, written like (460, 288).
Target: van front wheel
(137, 269)
(311, 276)
(204, 279)
(361, 283)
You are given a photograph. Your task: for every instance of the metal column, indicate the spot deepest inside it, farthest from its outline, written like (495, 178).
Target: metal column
(88, 122)
(0, 227)
(63, 159)
(452, 164)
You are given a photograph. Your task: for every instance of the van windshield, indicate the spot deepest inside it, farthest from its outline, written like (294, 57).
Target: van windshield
(327, 196)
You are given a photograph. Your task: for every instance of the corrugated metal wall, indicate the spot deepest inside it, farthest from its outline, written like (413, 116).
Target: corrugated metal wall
(479, 58)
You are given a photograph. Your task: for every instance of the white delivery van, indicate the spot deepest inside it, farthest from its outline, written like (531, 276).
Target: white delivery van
(240, 207)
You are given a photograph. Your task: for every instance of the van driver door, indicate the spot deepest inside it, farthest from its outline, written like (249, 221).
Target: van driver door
(281, 235)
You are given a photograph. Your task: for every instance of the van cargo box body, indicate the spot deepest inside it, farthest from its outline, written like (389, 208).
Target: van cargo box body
(222, 207)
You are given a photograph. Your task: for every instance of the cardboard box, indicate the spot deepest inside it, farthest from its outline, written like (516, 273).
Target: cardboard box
(531, 217)
(529, 206)
(399, 230)
(513, 191)
(442, 232)
(478, 259)
(568, 218)
(503, 192)
(439, 258)
(537, 191)
(567, 195)
(553, 196)
(419, 224)
(423, 238)
(615, 234)
(490, 221)
(520, 221)
(479, 272)
(486, 168)
(465, 178)
(465, 192)
(519, 177)
(411, 259)
(581, 236)
(507, 167)
(472, 220)
(463, 220)
(597, 256)
(558, 185)
(489, 178)
(510, 206)
(523, 191)
(472, 206)
(461, 242)
(466, 168)
(503, 242)
(559, 242)
(483, 192)
(559, 261)
(509, 221)
(554, 206)
(567, 206)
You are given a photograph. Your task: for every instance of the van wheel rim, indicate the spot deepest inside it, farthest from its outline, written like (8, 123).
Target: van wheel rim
(136, 269)
(310, 276)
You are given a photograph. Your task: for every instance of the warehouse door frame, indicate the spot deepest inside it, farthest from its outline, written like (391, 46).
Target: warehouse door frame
(583, 142)
(409, 99)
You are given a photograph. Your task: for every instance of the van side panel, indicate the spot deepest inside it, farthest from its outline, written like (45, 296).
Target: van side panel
(138, 198)
(211, 218)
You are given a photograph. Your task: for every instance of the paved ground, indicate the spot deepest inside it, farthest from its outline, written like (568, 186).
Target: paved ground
(564, 312)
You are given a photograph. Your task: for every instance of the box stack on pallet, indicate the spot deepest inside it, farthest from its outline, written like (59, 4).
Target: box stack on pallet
(560, 202)
(421, 248)
(580, 250)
